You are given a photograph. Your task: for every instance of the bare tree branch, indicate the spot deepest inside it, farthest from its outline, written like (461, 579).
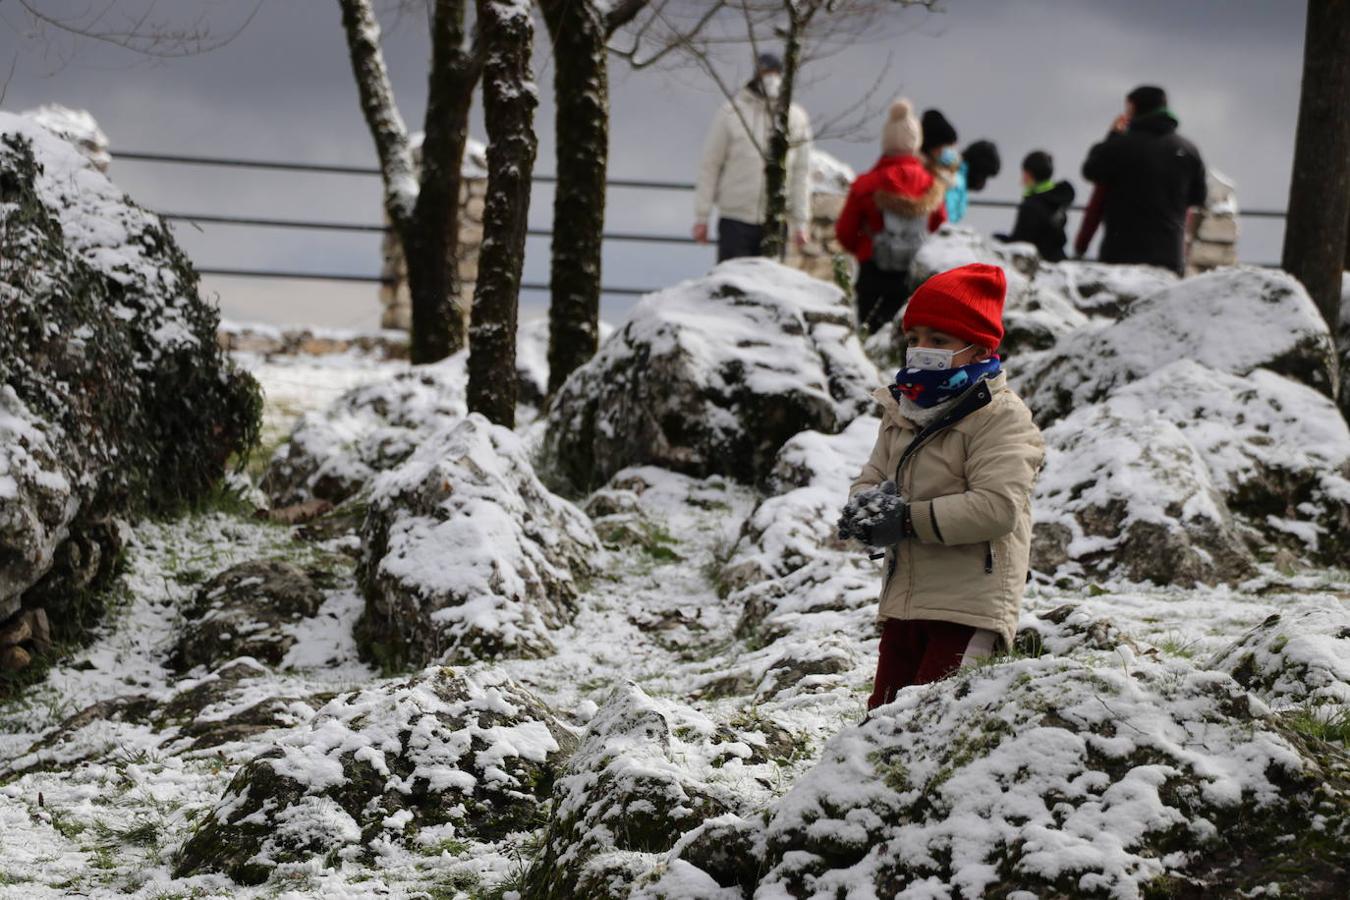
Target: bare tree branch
(142, 32)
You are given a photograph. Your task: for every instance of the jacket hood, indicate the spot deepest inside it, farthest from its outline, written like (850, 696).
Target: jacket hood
(1160, 122)
(1061, 194)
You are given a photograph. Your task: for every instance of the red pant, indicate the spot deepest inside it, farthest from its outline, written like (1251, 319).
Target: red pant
(916, 651)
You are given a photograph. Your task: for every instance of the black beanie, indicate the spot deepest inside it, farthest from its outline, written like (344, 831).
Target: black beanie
(982, 163)
(1146, 99)
(937, 131)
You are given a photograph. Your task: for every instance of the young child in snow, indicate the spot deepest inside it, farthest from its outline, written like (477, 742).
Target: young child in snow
(886, 218)
(947, 490)
(1044, 210)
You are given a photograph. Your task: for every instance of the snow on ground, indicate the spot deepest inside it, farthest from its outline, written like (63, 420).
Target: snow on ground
(110, 827)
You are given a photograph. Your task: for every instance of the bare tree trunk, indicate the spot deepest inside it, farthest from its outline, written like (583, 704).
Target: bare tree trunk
(1315, 232)
(509, 101)
(775, 240)
(425, 211)
(581, 95)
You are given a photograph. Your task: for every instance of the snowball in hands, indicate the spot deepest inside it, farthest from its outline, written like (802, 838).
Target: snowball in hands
(877, 517)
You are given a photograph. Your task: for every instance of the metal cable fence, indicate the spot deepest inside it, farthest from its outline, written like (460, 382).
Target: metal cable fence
(380, 228)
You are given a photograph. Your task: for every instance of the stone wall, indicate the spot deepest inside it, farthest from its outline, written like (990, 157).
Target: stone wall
(1213, 231)
(395, 302)
(817, 258)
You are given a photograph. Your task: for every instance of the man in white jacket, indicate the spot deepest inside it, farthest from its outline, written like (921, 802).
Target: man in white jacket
(732, 175)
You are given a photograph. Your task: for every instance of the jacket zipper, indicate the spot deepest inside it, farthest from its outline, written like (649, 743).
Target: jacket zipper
(989, 557)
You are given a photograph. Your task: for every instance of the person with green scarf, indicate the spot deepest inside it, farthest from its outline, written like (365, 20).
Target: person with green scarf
(1044, 210)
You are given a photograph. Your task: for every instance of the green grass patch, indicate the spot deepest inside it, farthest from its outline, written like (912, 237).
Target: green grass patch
(1324, 722)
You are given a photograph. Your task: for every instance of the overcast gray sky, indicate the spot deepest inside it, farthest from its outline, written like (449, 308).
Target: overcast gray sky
(1027, 74)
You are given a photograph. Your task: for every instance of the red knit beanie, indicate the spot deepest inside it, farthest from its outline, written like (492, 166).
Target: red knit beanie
(966, 302)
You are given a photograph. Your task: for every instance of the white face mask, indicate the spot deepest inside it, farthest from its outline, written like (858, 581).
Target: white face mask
(930, 358)
(772, 84)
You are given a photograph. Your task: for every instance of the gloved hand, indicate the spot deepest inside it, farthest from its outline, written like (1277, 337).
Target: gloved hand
(878, 518)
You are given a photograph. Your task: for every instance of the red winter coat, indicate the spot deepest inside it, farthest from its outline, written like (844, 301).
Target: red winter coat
(903, 177)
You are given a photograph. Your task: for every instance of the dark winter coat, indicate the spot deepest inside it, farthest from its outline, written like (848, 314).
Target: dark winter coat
(1153, 175)
(1041, 219)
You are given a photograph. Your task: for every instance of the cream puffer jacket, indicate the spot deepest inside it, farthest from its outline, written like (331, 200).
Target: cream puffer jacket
(732, 174)
(968, 479)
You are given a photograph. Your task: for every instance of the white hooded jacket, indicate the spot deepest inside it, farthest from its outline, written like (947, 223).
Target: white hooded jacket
(732, 175)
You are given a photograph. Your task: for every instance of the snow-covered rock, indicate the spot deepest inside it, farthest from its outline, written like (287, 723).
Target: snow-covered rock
(532, 358)
(114, 397)
(957, 245)
(233, 704)
(1300, 656)
(247, 610)
(1231, 320)
(77, 126)
(334, 454)
(1054, 778)
(711, 377)
(466, 555)
(1124, 492)
(635, 785)
(1102, 290)
(1158, 481)
(469, 754)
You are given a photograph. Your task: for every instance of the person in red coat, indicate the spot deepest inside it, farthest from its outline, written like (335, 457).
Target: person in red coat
(886, 217)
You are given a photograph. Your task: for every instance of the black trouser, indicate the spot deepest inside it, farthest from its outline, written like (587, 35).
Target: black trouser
(736, 238)
(880, 295)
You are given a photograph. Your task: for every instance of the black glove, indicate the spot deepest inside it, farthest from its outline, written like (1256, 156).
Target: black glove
(878, 518)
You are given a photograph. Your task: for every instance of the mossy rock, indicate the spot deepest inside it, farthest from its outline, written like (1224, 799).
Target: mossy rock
(461, 748)
(116, 399)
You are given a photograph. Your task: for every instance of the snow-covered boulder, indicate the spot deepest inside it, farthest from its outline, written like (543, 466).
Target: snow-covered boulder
(1102, 290)
(1231, 320)
(711, 377)
(465, 754)
(1160, 481)
(1070, 629)
(1124, 492)
(334, 454)
(114, 397)
(1049, 777)
(1300, 656)
(248, 610)
(788, 562)
(466, 555)
(635, 785)
(957, 245)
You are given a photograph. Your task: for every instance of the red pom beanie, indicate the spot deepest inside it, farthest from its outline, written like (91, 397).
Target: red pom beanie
(966, 302)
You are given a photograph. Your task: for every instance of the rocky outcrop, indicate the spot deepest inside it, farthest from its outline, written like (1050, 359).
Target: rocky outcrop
(114, 398)
(1052, 777)
(626, 796)
(711, 377)
(1180, 476)
(465, 749)
(247, 610)
(335, 453)
(466, 555)
(1232, 320)
(1300, 656)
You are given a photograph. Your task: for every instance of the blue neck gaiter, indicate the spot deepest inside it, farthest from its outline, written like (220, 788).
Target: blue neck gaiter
(929, 387)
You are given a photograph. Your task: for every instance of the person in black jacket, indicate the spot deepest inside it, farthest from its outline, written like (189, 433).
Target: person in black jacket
(1151, 176)
(1044, 209)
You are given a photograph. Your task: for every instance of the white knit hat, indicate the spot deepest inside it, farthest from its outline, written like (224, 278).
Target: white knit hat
(902, 132)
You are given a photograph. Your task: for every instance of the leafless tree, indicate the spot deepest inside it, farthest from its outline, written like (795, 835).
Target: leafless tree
(509, 101)
(714, 37)
(422, 207)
